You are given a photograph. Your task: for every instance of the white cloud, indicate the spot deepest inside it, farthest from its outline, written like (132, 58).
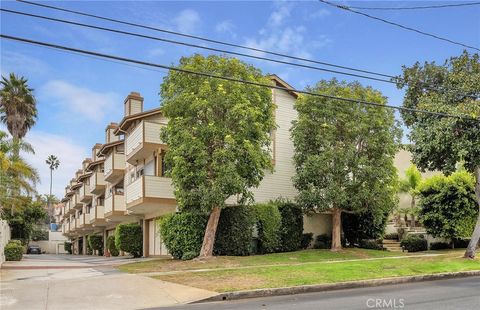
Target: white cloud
(79, 100)
(226, 26)
(187, 21)
(21, 63)
(318, 14)
(281, 13)
(70, 155)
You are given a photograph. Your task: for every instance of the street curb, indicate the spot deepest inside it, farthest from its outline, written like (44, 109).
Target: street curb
(336, 286)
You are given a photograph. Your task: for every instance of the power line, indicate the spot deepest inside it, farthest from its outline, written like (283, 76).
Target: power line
(194, 45)
(346, 8)
(440, 6)
(204, 74)
(391, 81)
(118, 21)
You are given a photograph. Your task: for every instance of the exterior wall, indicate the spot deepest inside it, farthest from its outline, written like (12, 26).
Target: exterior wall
(318, 224)
(4, 238)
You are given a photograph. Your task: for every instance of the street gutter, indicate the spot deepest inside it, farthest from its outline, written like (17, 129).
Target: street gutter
(336, 286)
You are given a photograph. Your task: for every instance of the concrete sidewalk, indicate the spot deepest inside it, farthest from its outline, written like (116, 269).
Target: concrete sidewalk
(91, 287)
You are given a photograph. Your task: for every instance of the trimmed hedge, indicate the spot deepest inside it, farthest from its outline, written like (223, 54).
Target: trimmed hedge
(96, 243)
(371, 244)
(268, 220)
(291, 227)
(392, 236)
(67, 246)
(13, 251)
(323, 242)
(183, 233)
(129, 238)
(440, 246)
(461, 243)
(234, 232)
(307, 240)
(358, 227)
(414, 243)
(111, 247)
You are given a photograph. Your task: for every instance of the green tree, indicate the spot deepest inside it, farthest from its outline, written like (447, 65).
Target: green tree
(218, 135)
(410, 185)
(344, 153)
(23, 221)
(440, 143)
(15, 173)
(448, 207)
(53, 163)
(18, 109)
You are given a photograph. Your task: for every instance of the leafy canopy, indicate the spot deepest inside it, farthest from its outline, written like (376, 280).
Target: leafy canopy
(218, 132)
(440, 143)
(448, 206)
(344, 152)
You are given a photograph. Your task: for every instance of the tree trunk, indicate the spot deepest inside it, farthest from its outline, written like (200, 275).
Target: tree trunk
(336, 229)
(412, 215)
(472, 246)
(210, 232)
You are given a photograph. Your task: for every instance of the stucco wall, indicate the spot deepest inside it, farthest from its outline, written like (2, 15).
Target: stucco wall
(318, 224)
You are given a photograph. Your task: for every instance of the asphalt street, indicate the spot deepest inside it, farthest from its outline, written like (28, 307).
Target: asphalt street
(453, 294)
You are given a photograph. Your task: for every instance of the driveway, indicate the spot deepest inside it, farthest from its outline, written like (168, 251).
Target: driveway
(85, 282)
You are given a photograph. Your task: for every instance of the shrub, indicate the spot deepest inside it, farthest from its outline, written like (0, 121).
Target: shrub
(189, 255)
(291, 227)
(129, 238)
(439, 246)
(268, 220)
(96, 243)
(67, 246)
(323, 242)
(306, 240)
(39, 235)
(392, 236)
(111, 247)
(13, 251)
(363, 226)
(16, 241)
(234, 232)
(461, 243)
(414, 243)
(371, 244)
(183, 233)
(448, 205)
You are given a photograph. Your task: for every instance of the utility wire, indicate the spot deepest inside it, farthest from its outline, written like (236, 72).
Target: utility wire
(194, 45)
(440, 6)
(391, 81)
(204, 74)
(346, 8)
(118, 21)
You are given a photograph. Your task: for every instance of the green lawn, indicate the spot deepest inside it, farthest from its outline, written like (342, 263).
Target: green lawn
(160, 265)
(321, 272)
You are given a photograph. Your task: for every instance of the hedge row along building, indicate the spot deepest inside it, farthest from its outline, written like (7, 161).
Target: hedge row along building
(124, 180)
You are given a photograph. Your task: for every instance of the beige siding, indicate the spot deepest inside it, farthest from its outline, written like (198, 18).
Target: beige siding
(152, 132)
(96, 178)
(279, 183)
(114, 161)
(158, 187)
(134, 190)
(133, 139)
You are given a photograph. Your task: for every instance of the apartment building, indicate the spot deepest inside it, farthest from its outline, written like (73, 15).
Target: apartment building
(124, 180)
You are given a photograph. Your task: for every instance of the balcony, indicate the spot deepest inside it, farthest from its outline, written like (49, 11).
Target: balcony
(114, 168)
(97, 183)
(84, 194)
(70, 209)
(97, 216)
(115, 207)
(142, 141)
(150, 193)
(75, 201)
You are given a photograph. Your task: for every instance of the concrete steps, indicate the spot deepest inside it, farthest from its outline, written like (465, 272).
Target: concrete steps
(392, 245)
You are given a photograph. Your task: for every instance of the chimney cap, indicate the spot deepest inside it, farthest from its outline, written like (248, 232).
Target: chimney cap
(134, 95)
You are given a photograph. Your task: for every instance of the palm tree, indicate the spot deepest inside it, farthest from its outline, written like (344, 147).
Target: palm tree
(53, 163)
(18, 109)
(16, 175)
(409, 185)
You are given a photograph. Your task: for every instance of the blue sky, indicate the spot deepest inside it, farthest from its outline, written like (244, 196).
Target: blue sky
(77, 96)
